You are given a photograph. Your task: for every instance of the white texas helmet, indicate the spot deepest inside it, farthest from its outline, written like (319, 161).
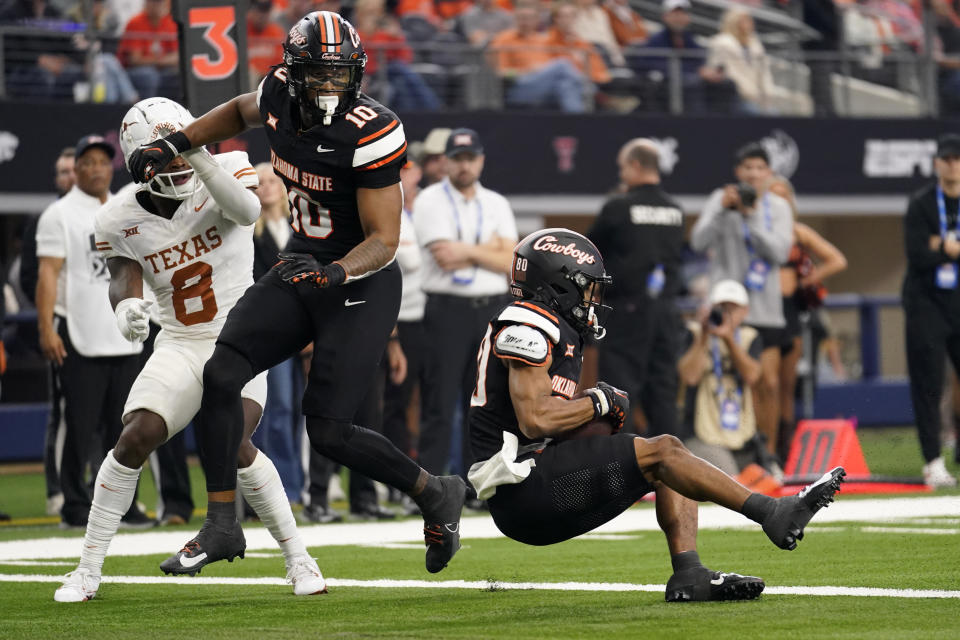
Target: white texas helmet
(147, 121)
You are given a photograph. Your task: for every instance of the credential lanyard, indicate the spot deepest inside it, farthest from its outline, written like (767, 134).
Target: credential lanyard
(718, 374)
(768, 222)
(460, 279)
(942, 209)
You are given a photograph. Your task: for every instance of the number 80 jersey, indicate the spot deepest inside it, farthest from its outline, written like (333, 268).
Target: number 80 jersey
(198, 263)
(324, 166)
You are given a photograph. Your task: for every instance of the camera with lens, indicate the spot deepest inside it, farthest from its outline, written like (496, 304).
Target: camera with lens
(747, 194)
(716, 317)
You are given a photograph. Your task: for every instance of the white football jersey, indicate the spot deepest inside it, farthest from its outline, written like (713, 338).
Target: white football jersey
(198, 263)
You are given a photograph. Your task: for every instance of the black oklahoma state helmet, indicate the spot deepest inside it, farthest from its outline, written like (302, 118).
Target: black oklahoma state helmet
(556, 267)
(324, 40)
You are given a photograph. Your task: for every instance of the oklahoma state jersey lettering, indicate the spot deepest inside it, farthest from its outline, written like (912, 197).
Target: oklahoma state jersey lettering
(491, 409)
(324, 166)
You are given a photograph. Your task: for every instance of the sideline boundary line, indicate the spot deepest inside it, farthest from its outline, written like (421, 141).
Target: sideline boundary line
(869, 592)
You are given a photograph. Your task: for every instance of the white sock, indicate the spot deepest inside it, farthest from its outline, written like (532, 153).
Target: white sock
(261, 487)
(112, 496)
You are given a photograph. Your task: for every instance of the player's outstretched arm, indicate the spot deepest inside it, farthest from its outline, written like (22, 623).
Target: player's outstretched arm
(220, 123)
(380, 216)
(239, 203)
(540, 414)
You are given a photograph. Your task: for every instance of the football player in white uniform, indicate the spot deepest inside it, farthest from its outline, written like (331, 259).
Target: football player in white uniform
(188, 234)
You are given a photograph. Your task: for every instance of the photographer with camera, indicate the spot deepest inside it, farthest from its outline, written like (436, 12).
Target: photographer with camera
(718, 370)
(747, 232)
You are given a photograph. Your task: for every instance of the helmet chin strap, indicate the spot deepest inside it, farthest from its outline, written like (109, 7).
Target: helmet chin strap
(328, 105)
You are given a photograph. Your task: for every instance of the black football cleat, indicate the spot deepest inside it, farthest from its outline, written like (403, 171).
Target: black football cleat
(441, 530)
(791, 514)
(702, 585)
(211, 544)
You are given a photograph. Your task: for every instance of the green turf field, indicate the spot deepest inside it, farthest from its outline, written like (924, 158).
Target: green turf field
(892, 551)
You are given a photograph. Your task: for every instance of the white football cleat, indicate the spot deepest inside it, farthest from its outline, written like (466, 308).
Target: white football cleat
(935, 474)
(80, 586)
(304, 574)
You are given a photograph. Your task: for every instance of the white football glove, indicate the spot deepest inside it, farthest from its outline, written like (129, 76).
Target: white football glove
(133, 319)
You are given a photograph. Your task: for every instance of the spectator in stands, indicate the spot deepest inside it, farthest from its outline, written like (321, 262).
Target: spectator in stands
(434, 162)
(538, 75)
(483, 21)
(931, 302)
(295, 11)
(107, 79)
(719, 367)
(38, 66)
(592, 23)
(95, 364)
(748, 232)
(705, 88)
(387, 48)
(801, 284)
(279, 431)
(628, 27)
(264, 46)
(823, 17)
(149, 50)
(740, 54)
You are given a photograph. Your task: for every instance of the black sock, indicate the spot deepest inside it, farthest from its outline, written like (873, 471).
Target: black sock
(431, 496)
(758, 507)
(222, 514)
(685, 560)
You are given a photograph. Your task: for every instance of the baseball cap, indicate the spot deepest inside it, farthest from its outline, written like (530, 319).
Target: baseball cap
(463, 141)
(729, 291)
(670, 5)
(90, 141)
(948, 145)
(435, 143)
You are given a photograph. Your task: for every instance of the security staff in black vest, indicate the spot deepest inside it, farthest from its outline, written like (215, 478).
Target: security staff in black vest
(640, 234)
(931, 302)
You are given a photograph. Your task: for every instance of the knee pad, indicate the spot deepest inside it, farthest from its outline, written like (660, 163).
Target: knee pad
(227, 370)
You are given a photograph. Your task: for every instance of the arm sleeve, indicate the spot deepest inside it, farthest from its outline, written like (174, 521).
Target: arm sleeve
(916, 237)
(772, 243)
(707, 229)
(51, 242)
(231, 192)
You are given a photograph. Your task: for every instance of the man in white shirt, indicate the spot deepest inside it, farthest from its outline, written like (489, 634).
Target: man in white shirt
(95, 364)
(466, 233)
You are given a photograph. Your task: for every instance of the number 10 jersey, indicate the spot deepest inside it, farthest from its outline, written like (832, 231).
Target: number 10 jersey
(198, 263)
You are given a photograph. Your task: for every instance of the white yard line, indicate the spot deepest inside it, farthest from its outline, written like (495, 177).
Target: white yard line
(911, 530)
(882, 510)
(868, 592)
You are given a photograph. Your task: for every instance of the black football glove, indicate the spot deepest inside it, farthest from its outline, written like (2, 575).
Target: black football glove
(303, 267)
(147, 159)
(610, 401)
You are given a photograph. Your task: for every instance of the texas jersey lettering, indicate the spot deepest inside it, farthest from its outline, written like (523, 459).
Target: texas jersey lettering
(323, 166)
(198, 263)
(523, 330)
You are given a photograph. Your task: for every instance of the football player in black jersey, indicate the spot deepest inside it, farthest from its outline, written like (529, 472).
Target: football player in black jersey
(339, 154)
(544, 484)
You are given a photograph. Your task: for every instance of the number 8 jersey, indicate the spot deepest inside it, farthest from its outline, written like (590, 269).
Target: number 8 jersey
(324, 166)
(198, 263)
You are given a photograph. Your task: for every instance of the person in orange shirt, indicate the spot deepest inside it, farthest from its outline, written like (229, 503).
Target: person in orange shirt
(628, 27)
(537, 72)
(150, 52)
(264, 40)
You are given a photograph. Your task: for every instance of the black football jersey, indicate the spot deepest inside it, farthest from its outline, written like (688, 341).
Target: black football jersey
(491, 408)
(323, 166)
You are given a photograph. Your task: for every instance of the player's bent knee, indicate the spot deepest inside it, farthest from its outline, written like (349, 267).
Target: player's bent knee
(143, 433)
(226, 371)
